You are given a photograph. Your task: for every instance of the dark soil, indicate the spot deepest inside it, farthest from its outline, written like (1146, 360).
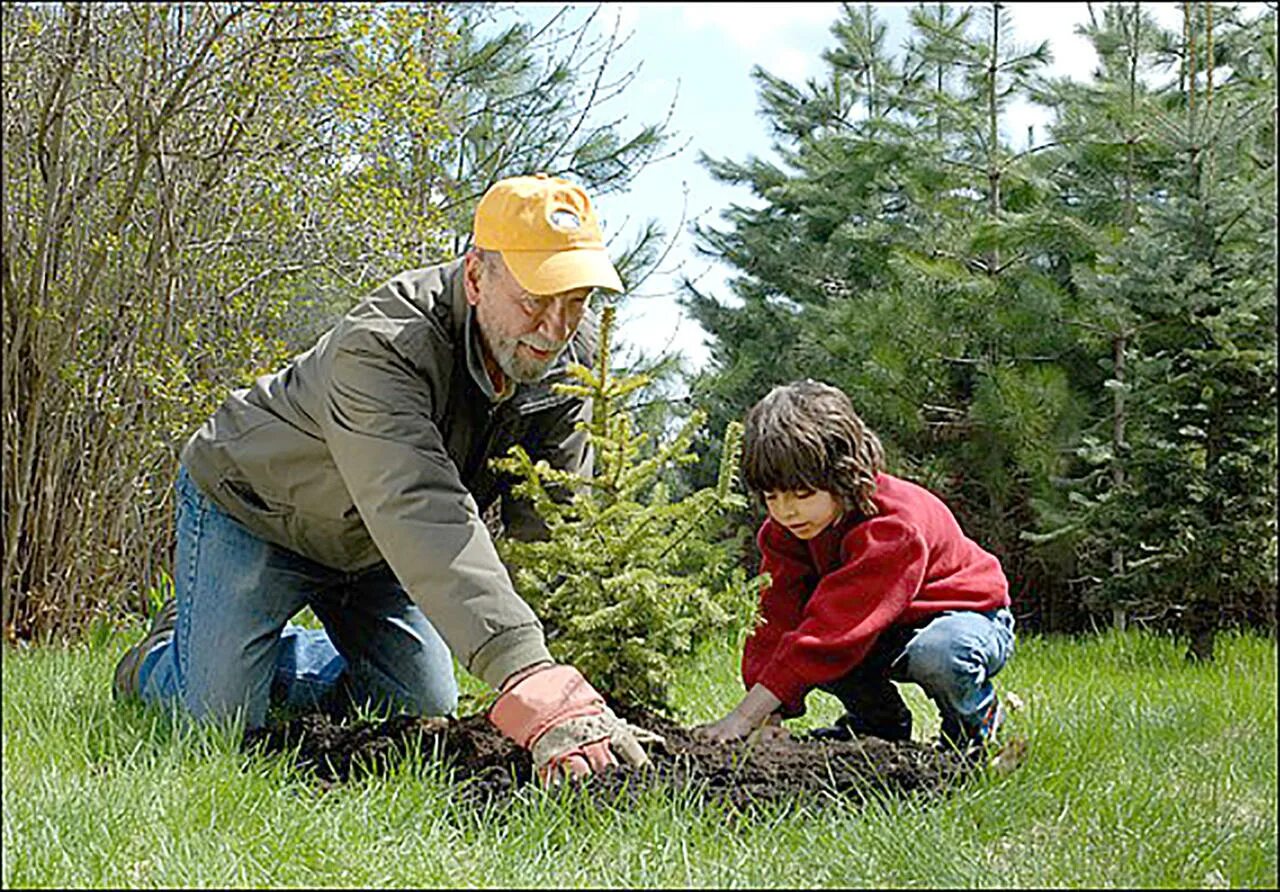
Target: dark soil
(489, 768)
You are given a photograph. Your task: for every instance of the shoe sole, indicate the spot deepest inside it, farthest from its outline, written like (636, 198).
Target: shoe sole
(124, 683)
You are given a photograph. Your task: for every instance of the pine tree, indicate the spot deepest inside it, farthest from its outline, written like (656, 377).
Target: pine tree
(1109, 169)
(629, 577)
(906, 255)
(1031, 330)
(1184, 284)
(1205, 449)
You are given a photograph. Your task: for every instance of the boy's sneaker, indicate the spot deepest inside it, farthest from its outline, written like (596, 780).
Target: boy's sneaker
(974, 739)
(849, 725)
(125, 685)
(992, 719)
(839, 731)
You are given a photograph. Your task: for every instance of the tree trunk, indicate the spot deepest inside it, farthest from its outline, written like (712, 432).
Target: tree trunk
(1190, 32)
(993, 136)
(1200, 625)
(1118, 419)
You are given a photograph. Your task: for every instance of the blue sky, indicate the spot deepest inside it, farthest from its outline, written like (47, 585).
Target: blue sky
(706, 51)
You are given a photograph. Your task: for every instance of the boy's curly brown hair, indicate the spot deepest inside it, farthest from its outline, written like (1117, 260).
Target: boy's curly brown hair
(806, 435)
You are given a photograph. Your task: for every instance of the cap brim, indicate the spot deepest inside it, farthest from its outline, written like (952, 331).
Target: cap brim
(552, 272)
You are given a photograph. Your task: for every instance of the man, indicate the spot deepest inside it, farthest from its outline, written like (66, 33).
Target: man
(354, 479)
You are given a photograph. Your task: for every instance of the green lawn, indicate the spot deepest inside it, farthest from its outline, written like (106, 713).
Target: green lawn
(1142, 771)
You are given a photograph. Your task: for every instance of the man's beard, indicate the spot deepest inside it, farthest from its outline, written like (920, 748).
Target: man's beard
(522, 369)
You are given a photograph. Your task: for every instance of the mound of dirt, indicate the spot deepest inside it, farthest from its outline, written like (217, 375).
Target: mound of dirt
(489, 768)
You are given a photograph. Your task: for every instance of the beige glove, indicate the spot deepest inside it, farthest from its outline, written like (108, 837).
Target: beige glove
(564, 722)
(592, 737)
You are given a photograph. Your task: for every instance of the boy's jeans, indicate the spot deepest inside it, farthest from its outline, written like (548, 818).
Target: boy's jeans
(234, 648)
(952, 656)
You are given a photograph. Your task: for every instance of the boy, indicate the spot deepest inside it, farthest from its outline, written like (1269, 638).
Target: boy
(873, 582)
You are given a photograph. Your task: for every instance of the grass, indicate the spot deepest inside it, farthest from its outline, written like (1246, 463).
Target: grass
(1142, 771)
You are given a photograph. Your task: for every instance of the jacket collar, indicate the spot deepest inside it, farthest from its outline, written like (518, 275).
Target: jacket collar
(836, 530)
(475, 361)
(467, 330)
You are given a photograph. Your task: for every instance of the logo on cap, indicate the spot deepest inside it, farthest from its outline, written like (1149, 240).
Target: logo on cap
(562, 218)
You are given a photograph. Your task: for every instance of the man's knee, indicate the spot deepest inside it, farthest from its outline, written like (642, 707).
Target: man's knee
(440, 697)
(425, 690)
(228, 696)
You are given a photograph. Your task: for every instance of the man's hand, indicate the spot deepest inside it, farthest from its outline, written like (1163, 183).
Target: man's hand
(756, 712)
(553, 712)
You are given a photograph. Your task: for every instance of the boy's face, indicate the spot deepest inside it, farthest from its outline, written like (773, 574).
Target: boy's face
(805, 512)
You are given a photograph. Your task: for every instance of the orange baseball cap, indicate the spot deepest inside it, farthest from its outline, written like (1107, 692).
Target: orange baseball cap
(547, 232)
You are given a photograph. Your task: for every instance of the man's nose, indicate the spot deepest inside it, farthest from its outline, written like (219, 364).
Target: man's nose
(557, 322)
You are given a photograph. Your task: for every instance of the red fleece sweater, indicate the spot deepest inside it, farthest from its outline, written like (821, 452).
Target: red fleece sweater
(831, 596)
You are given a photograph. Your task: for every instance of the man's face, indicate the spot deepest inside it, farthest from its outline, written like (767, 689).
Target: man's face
(523, 332)
(806, 512)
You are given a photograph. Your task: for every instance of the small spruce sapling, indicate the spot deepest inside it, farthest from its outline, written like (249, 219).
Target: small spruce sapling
(628, 578)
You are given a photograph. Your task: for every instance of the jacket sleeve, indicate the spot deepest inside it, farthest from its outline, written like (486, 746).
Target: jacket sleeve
(377, 421)
(561, 445)
(848, 609)
(786, 559)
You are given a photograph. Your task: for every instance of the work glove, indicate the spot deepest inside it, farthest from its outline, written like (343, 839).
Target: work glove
(555, 714)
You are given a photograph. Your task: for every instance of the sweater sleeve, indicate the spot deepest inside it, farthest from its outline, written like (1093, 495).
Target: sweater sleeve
(786, 560)
(848, 610)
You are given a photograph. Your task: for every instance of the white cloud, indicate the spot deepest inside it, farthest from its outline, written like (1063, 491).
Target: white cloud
(626, 14)
(779, 37)
(1034, 23)
(792, 64)
(753, 26)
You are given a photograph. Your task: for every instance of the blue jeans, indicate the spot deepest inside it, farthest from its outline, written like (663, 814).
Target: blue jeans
(235, 651)
(952, 656)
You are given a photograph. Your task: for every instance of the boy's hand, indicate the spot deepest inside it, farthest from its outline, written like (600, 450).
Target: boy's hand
(730, 728)
(756, 708)
(771, 730)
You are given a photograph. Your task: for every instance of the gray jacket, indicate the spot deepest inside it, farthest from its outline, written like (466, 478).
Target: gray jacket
(374, 444)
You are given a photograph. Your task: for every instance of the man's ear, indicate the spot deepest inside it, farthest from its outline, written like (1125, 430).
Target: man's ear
(471, 265)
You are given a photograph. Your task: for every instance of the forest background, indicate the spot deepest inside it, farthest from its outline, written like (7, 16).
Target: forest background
(1073, 343)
